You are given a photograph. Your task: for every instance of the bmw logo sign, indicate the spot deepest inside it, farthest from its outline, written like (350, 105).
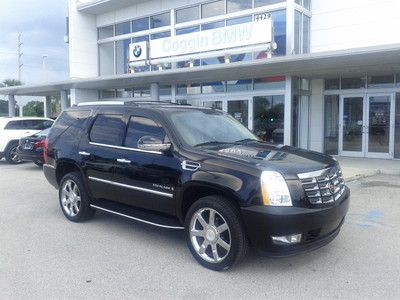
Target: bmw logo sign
(137, 51)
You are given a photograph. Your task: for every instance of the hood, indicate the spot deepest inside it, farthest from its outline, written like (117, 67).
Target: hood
(288, 161)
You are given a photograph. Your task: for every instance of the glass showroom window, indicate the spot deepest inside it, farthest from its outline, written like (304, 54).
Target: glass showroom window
(213, 9)
(140, 24)
(258, 3)
(123, 28)
(269, 117)
(238, 5)
(106, 56)
(279, 21)
(160, 20)
(239, 85)
(187, 30)
(331, 135)
(122, 56)
(381, 81)
(105, 32)
(187, 14)
(213, 87)
(301, 33)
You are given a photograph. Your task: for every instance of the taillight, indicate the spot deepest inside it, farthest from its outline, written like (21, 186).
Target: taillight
(46, 150)
(40, 144)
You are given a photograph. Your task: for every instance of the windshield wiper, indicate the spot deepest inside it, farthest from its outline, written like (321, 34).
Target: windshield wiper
(210, 143)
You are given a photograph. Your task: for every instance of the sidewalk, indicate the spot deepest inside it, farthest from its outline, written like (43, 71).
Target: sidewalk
(354, 168)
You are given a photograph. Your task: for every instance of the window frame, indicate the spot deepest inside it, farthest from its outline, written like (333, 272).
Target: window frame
(105, 113)
(130, 116)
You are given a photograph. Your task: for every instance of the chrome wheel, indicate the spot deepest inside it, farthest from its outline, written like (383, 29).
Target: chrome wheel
(210, 235)
(71, 198)
(14, 155)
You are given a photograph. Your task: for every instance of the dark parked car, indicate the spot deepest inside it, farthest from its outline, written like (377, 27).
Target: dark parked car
(30, 148)
(196, 169)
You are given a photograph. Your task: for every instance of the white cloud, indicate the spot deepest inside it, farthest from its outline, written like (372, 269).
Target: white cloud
(42, 25)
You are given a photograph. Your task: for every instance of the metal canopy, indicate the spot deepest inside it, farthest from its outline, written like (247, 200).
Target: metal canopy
(374, 60)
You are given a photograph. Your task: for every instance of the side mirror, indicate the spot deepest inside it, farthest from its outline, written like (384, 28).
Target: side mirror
(152, 143)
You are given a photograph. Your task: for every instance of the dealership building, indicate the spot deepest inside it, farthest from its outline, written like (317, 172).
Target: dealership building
(321, 75)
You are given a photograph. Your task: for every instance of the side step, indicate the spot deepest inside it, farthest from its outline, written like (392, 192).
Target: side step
(136, 214)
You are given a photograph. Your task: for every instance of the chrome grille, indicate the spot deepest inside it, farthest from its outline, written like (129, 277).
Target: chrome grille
(324, 186)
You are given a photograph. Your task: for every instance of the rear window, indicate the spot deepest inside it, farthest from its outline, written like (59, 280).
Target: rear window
(32, 124)
(108, 130)
(73, 119)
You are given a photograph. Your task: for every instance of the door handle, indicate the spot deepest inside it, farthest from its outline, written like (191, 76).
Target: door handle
(123, 160)
(84, 153)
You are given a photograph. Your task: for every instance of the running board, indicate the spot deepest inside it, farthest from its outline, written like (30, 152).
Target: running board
(139, 215)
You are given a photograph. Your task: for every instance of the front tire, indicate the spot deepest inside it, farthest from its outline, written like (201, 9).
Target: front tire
(11, 154)
(74, 200)
(215, 233)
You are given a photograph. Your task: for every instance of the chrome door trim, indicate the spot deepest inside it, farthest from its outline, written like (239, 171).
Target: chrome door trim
(124, 148)
(84, 153)
(136, 219)
(169, 195)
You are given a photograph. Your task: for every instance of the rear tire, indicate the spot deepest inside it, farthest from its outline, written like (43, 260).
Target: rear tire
(215, 233)
(11, 154)
(74, 200)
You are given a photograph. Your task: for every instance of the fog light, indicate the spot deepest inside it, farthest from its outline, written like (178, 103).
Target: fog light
(287, 239)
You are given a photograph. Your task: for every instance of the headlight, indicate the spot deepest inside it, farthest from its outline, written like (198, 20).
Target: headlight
(274, 189)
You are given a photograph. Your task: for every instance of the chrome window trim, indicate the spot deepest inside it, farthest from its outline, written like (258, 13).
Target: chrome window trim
(312, 174)
(136, 219)
(124, 148)
(133, 187)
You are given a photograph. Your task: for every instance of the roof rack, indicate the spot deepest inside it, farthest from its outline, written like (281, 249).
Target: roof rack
(128, 102)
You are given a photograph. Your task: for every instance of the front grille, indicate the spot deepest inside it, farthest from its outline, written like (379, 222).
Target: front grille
(323, 187)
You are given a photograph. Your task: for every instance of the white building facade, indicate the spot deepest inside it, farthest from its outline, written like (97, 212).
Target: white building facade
(325, 76)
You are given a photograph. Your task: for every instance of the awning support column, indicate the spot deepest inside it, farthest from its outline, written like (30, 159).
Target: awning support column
(288, 112)
(155, 92)
(11, 105)
(64, 100)
(47, 107)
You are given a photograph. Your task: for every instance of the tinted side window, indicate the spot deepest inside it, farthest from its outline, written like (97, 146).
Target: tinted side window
(108, 129)
(69, 119)
(15, 125)
(139, 127)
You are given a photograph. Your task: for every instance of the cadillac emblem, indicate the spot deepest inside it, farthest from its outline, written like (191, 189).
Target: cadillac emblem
(332, 187)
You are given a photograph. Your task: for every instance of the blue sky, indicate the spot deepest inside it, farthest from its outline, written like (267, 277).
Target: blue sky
(42, 25)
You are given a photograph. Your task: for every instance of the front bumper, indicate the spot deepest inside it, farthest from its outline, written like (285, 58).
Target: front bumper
(318, 226)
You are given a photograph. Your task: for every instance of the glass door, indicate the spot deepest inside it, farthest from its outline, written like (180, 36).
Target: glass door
(239, 109)
(366, 126)
(378, 128)
(351, 126)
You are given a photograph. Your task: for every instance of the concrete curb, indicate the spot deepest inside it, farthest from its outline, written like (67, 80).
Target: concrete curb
(372, 173)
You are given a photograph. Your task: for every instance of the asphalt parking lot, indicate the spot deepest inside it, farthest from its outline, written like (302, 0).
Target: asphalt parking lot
(43, 255)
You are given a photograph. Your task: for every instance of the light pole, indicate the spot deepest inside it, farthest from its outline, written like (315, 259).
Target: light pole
(44, 56)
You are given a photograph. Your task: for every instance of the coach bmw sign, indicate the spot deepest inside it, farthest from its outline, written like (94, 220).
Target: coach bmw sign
(138, 51)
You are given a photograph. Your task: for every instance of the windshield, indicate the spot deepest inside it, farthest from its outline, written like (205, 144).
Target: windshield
(208, 127)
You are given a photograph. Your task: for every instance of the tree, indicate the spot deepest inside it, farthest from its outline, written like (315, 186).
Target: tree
(34, 109)
(11, 82)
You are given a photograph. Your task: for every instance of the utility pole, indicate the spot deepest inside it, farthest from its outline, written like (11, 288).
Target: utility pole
(20, 53)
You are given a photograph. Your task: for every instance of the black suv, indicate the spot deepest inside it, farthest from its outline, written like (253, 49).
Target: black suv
(196, 169)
